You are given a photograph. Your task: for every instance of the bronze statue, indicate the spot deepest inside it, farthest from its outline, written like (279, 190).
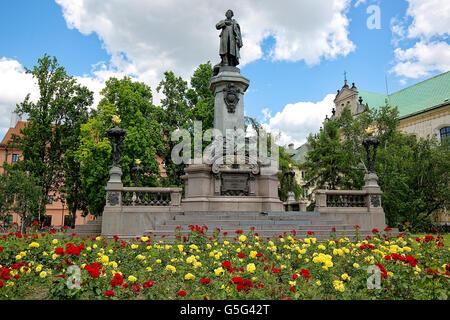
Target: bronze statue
(230, 40)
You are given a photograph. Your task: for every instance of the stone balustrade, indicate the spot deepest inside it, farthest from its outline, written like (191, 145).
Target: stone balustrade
(138, 196)
(354, 207)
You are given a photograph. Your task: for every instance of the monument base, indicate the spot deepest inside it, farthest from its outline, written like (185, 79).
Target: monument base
(203, 192)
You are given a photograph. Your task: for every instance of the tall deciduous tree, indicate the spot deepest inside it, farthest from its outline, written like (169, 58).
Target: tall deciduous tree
(412, 174)
(182, 106)
(133, 102)
(53, 126)
(19, 193)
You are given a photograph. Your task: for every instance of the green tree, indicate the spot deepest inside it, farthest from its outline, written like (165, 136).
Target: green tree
(182, 106)
(20, 193)
(327, 165)
(284, 161)
(132, 101)
(412, 174)
(53, 124)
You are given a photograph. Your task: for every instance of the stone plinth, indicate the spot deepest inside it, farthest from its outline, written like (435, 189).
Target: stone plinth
(229, 87)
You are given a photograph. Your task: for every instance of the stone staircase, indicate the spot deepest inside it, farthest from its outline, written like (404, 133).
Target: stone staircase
(92, 228)
(267, 225)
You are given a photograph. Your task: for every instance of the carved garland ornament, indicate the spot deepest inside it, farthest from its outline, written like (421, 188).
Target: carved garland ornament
(231, 97)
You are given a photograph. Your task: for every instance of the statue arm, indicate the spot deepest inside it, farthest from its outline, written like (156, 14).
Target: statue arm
(220, 24)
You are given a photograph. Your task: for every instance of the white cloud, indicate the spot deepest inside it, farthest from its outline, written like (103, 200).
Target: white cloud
(155, 36)
(420, 60)
(430, 28)
(15, 84)
(296, 121)
(430, 18)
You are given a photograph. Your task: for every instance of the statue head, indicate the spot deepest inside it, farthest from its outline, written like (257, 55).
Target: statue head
(229, 14)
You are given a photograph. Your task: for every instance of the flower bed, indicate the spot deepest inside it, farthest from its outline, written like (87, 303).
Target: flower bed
(221, 266)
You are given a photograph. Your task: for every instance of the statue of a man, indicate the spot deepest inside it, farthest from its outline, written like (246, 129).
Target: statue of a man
(230, 40)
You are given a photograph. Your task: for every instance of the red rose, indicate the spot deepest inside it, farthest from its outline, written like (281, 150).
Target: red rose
(205, 281)
(1, 284)
(310, 233)
(109, 294)
(226, 264)
(241, 255)
(181, 293)
(147, 284)
(387, 229)
(356, 226)
(375, 230)
(292, 289)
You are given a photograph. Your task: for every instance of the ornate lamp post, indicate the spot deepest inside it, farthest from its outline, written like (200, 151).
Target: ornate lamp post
(116, 136)
(369, 142)
(290, 180)
(371, 179)
(136, 172)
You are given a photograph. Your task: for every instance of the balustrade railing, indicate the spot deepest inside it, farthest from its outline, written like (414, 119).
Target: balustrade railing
(346, 200)
(136, 196)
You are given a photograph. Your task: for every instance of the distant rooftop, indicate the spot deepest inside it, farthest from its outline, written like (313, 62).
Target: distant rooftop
(413, 99)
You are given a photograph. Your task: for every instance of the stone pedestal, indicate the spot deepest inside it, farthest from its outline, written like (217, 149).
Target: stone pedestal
(231, 179)
(113, 187)
(374, 200)
(229, 87)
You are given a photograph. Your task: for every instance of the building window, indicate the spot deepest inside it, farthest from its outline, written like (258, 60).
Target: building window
(50, 199)
(15, 157)
(8, 220)
(445, 135)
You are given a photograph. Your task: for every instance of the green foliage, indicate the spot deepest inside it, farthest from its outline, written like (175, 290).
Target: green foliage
(132, 101)
(412, 174)
(19, 193)
(284, 161)
(328, 165)
(52, 130)
(183, 106)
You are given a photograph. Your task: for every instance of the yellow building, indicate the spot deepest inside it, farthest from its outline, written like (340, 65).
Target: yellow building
(424, 110)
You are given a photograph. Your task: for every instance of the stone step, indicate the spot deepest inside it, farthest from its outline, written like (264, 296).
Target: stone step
(170, 236)
(88, 227)
(299, 226)
(232, 215)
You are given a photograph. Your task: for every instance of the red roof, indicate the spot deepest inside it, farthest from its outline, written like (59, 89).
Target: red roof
(16, 130)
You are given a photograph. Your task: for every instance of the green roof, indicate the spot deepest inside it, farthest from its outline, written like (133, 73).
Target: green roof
(300, 153)
(416, 98)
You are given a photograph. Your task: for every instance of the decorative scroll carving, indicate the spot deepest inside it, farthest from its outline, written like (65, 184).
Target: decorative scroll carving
(231, 96)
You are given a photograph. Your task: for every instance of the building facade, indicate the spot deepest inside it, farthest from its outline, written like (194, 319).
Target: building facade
(56, 211)
(424, 108)
(424, 111)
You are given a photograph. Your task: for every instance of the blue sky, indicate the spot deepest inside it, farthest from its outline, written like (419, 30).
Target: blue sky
(92, 49)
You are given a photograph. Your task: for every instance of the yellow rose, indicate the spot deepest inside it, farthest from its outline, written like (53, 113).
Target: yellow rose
(242, 238)
(171, 268)
(219, 271)
(33, 245)
(251, 267)
(55, 241)
(132, 278)
(43, 274)
(189, 276)
(144, 239)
